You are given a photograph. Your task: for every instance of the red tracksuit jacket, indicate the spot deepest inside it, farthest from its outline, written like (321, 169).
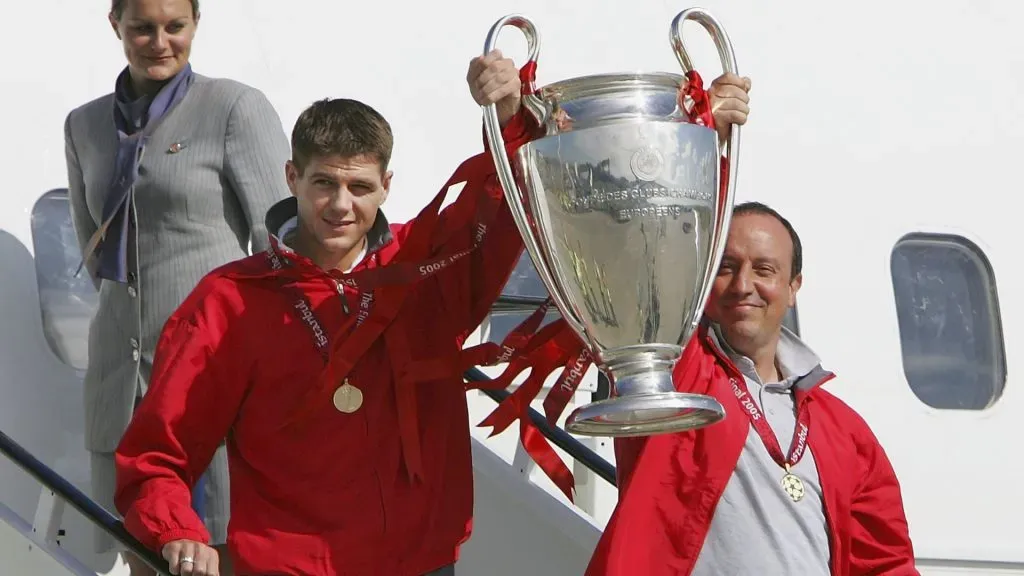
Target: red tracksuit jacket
(328, 493)
(670, 484)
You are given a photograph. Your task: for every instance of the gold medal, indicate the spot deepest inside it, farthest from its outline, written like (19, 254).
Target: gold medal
(793, 485)
(348, 398)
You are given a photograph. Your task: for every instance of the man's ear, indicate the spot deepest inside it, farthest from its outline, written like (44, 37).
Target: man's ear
(291, 174)
(794, 287)
(114, 25)
(386, 182)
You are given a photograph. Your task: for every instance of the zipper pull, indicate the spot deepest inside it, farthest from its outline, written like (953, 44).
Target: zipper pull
(344, 298)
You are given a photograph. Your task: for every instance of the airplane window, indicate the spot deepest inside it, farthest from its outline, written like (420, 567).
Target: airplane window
(67, 301)
(950, 329)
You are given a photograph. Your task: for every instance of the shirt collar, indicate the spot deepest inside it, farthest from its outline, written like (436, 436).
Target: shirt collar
(283, 219)
(793, 357)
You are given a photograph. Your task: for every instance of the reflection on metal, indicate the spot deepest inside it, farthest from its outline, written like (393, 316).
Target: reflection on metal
(619, 208)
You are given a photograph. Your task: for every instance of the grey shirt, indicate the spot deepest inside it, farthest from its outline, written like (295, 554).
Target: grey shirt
(757, 530)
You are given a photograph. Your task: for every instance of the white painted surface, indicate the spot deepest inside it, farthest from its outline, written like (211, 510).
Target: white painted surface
(870, 121)
(23, 551)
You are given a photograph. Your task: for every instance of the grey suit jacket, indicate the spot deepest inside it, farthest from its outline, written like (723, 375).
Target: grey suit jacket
(210, 171)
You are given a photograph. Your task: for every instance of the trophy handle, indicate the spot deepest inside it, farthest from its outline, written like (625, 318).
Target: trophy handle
(732, 147)
(513, 195)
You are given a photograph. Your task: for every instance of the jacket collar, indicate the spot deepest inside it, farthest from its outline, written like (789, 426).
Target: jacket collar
(283, 219)
(799, 366)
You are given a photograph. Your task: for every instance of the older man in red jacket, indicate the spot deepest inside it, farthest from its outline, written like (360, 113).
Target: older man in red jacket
(727, 499)
(330, 364)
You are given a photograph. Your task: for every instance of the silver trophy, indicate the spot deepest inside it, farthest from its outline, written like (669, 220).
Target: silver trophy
(619, 209)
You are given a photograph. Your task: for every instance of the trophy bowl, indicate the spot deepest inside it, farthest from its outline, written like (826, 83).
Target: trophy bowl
(619, 207)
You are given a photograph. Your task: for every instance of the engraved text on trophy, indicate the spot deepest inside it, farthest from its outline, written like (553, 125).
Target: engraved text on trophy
(659, 189)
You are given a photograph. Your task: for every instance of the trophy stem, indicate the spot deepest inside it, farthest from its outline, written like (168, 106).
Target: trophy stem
(644, 399)
(646, 369)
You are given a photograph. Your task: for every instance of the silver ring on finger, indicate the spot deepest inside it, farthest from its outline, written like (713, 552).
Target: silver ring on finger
(185, 559)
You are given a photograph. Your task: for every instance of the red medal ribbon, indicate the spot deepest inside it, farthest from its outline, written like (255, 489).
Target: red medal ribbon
(700, 112)
(564, 389)
(413, 262)
(395, 279)
(553, 346)
(798, 446)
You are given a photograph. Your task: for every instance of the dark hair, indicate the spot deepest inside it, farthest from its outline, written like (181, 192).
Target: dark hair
(759, 208)
(117, 8)
(341, 127)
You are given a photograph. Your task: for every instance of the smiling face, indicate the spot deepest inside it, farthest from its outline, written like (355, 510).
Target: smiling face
(157, 37)
(338, 199)
(339, 175)
(755, 285)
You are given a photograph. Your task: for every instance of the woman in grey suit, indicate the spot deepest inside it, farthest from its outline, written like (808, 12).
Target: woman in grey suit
(169, 177)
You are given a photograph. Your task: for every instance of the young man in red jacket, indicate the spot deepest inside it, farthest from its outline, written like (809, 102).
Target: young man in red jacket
(792, 481)
(331, 365)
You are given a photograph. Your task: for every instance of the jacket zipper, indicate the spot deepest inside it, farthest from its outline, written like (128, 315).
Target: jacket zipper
(366, 423)
(344, 298)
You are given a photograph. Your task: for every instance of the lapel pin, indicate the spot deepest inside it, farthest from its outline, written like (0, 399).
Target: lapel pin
(176, 147)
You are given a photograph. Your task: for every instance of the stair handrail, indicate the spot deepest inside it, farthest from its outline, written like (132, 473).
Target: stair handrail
(76, 498)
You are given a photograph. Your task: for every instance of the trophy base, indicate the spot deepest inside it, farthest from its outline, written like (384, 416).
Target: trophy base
(645, 414)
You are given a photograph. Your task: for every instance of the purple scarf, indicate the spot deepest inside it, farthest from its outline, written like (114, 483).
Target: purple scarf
(135, 121)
